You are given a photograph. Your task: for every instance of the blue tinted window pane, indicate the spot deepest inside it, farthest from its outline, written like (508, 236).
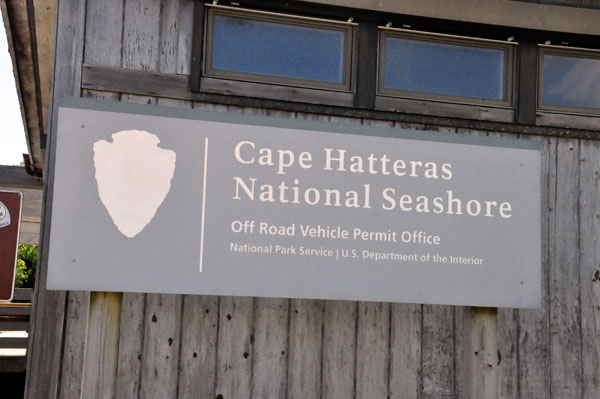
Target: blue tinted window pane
(571, 81)
(441, 68)
(276, 49)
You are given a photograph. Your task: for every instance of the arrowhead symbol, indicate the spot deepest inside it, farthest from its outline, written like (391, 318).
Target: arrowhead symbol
(134, 177)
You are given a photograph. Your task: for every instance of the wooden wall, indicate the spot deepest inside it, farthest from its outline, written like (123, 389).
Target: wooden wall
(174, 346)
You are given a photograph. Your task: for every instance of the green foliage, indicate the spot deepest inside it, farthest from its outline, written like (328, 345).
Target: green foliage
(22, 274)
(26, 263)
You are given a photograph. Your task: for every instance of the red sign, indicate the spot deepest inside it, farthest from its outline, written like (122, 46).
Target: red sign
(10, 221)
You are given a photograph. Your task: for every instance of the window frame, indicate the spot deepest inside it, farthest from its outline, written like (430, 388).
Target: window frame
(520, 111)
(564, 51)
(510, 64)
(250, 81)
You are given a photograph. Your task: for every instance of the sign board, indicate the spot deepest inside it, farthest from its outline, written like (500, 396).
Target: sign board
(10, 222)
(152, 199)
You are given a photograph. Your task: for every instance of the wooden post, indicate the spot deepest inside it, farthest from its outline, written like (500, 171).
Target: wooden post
(102, 346)
(480, 352)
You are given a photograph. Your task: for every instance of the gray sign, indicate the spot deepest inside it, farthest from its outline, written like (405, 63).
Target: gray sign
(151, 199)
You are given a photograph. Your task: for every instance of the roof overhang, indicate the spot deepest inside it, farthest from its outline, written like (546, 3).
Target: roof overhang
(30, 33)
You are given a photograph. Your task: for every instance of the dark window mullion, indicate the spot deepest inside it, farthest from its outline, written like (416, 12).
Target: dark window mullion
(527, 82)
(366, 75)
(197, 46)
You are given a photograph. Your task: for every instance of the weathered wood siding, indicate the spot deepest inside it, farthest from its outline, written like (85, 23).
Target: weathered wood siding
(173, 346)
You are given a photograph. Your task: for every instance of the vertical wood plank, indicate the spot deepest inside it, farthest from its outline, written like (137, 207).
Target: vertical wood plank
(534, 337)
(102, 46)
(565, 323)
(103, 38)
(47, 319)
(169, 49)
(373, 350)
(102, 346)
(236, 326)
(589, 219)
(480, 353)
(405, 344)
(141, 34)
(168, 44)
(459, 364)
(186, 27)
(508, 337)
(190, 384)
(305, 337)
(373, 362)
(508, 367)
(305, 349)
(339, 349)
(437, 352)
(270, 348)
(74, 344)
(160, 350)
(103, 31)
(234, 365)
(140, 51)
(197, 359)
(130, 345)
(460, 373)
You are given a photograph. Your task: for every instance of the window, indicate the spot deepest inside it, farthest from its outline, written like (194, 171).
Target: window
(265, 47)
(445, 68)
(569, 80)
(305, 60)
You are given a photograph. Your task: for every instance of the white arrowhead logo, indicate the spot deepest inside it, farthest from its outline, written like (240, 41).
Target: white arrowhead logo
(134, 177)
(4, 215)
